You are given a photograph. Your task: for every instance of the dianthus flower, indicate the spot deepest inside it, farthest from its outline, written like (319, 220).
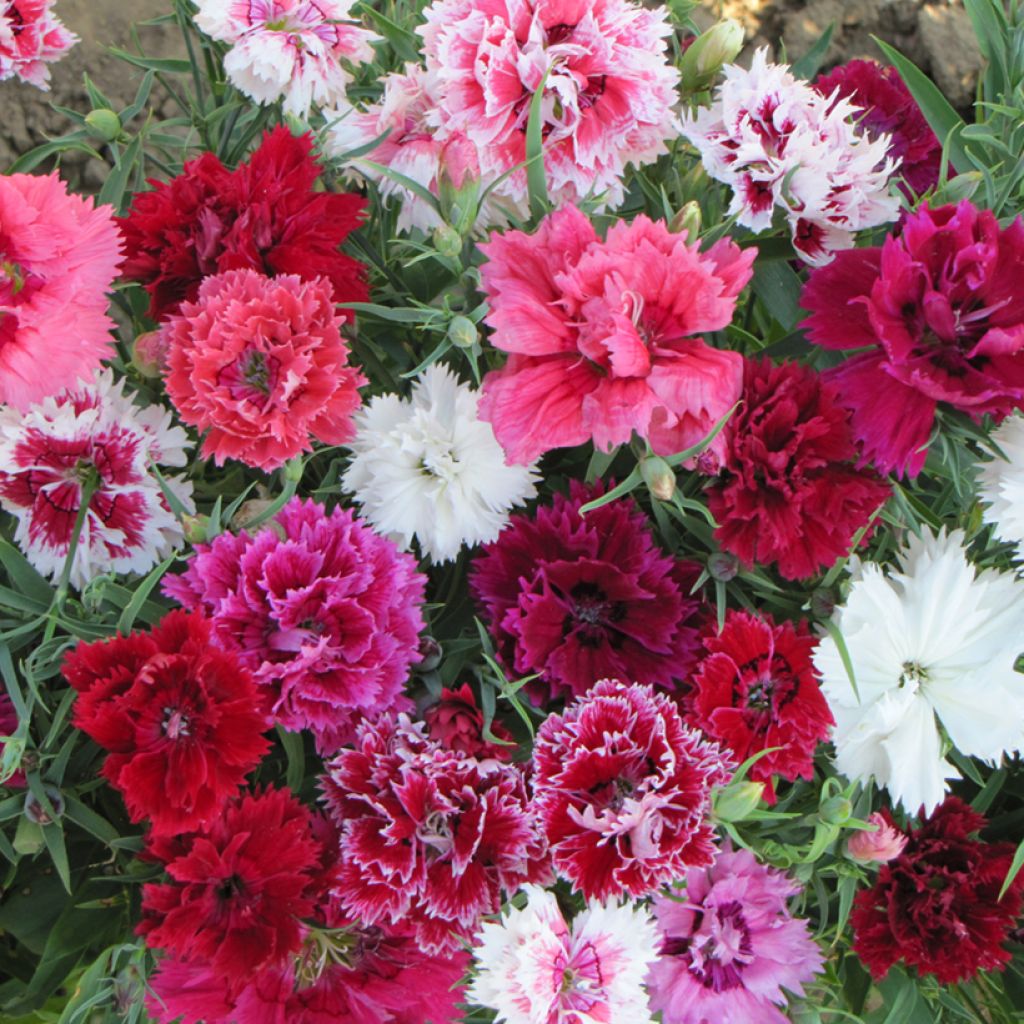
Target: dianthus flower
(608, 87)
(884, 843)
(940, 312)
(8, 727)
(91, 442)
(1001, 484)
(265, 215)
(182, 721)
(787, 493)
(429, 837)
(932, 642)
(601, 335)
(59, 255)
(411, 147)
(756, 688)
(457, 724)
(578, 598)
(292, 50)
(730, 946)
(325, 613)
(534, 969)
(623, 790)
(259, 364)
(238, 889)
(885, 107)
(776, 142)
(31, 36)
(427, 467)
(936, 907)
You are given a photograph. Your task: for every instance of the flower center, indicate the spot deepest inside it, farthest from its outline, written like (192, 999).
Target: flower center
(913, 676)
(719, 949)
(436, 833)
(175, 724)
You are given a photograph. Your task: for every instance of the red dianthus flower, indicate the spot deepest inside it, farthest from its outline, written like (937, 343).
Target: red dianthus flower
(623, 790)
(756, 689)
(936, 906)
(580, 599)
(429, 837)
(264, 215)
(457, 724)
(787, 493)
(182, 720)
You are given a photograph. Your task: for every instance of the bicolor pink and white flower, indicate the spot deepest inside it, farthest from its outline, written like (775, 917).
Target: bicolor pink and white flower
(780, 144)
(31, 37)
(533, 968)
(91, 440)
(292, 50)
(883, 843)
(607, 87)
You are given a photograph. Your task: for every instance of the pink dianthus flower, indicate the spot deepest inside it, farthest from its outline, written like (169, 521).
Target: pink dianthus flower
(260, 365)
(31, 36)
(325, 612)
(59, 255)
(600, 336)
(623, 790)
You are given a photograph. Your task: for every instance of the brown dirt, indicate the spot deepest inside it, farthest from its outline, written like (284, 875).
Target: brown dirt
(937, 36)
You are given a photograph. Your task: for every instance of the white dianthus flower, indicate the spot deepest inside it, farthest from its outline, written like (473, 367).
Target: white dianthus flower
(427, 467)
(1001, 484)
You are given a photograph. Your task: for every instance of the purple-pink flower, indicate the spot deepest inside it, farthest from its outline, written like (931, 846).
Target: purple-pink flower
(730, 946)
(320, 608)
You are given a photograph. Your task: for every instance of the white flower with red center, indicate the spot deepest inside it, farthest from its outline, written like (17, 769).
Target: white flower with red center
(31, 36)
(533, 968)
(291, 50)
(608, 87)
(92, 441)
(778, 143)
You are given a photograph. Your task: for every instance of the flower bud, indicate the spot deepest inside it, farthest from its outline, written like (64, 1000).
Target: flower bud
(462, 332)
(196, 528)
(448, 242)
(37, 813)
(823, 603)
(723, 566)
(687, 221)
(659, 477)
(735, 802)
(705, 56)
(430, 655)
(836, 810)
(882, 845)
(104, 124)
(149, 354)
(293, 470)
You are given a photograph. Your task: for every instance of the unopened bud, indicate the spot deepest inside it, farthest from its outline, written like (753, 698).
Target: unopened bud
(104, 124)
(723, 567)
(462, 332)
(149, 354)
(293, 470)
(735, 802)
(448, 242)
(836, 810)
(823, 603)
(196, 528)
(687, 221)
(704, 57)
(659, 477)
(430, 655)
(37, 813)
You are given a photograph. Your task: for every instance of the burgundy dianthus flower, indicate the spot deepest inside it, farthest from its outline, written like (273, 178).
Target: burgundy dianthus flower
(940, 309)
(756, 689)
(457, 724)
(182, 720)
(8, 727)
(936, 906)
(264, 215)
(579, 599)
(238, 890)
(788, 493)
(889, 109)
(325, 613)
(623, 790)
(429, 837)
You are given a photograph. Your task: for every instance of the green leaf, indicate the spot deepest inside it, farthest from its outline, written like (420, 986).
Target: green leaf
(295, 752)
(778, 287)
(406, 182)
(86, 818)
(536, 176)
(1015, 865)
(142, 592)
(807, 66)
(631, 482)
(23, 576)
(844, 654)
(992, 32)
(114, 188)
(53, 836)
(403, 42)
(166, 65)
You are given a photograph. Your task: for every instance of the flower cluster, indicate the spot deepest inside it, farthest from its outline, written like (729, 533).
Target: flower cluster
(31, 37)
(779, 144)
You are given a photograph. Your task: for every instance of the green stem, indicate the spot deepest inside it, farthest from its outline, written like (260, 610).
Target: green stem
(88, 489)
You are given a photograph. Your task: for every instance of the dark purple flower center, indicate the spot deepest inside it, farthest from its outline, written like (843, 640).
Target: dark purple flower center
(718, 950)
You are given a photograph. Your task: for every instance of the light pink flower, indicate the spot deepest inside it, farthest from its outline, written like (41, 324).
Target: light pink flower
(730, 946)
(778, 143)
(601, 336)
(885, 843)
(59, 256)
(608, 87)
(288, 49)
(534, 969)
(31, 36)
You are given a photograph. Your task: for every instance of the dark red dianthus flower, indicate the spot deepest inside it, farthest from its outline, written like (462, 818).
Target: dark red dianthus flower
(457, 724)
(8, 727)
(889, 108)
(936, 906)
(264, 216)
(182, 720)
(787, 492)
(623, 790)
(579, 599)
(429, 838)
(756, 688)
(941, 311)
(239, 889)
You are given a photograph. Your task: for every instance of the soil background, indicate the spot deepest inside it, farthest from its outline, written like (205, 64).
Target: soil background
(937, 36)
